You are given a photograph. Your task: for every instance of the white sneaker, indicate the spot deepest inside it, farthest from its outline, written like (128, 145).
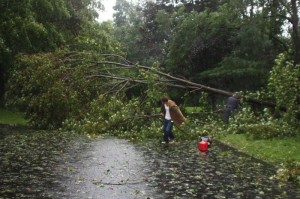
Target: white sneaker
(163, 142)
(172, 142)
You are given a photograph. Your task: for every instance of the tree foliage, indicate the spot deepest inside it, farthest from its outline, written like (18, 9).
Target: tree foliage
(51, 87)
(43, 89)
(284, 87)
(33, 26)
(218, 45)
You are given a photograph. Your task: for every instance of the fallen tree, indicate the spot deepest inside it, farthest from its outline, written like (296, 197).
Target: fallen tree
(162, 77)
(52, 88)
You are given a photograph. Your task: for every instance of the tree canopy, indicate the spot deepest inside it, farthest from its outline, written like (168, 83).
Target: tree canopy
(223, 45)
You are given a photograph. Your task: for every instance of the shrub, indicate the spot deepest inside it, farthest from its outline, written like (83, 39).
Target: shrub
(284, 88)
(115, 115)
(289, 171)
(262, 125)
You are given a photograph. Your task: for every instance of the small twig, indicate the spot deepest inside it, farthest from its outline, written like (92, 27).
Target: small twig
(120, 183)
(206, 112)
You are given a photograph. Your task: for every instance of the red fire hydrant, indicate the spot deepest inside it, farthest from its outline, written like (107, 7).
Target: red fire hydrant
(203, 146)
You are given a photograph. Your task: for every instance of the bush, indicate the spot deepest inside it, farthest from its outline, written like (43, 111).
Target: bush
(262, 125)
(284, 88)
(289, 171)
(115, 115)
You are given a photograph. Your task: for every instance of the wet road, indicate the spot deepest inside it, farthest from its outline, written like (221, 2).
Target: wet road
(110, 168)
(116, 168)
(54, 165)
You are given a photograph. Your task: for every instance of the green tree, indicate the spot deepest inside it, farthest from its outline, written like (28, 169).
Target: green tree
(126, 30)
(32, 26)
(153, 40)
(51, 87)
(123, 10)
(284, 88)
(225, 47)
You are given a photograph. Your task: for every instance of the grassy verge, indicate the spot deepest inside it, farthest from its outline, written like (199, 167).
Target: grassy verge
(275, 151)
(12, 117)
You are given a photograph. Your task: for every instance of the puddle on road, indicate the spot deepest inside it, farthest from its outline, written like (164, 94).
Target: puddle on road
(110, 168)
(47, 165)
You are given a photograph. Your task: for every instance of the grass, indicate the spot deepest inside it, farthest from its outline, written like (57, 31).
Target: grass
(193, 109)
(12, 117)
(276, 150)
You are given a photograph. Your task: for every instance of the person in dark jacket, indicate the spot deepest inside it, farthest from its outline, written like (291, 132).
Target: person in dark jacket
(233, 103)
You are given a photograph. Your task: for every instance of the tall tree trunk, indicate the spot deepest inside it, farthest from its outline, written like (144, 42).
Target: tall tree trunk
(295, 33)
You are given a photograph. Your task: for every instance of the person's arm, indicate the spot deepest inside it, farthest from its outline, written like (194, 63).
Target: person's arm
(162, 110)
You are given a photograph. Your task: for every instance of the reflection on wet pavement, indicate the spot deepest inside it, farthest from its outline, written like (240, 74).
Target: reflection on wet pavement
(181, 171)
(40, 164)
(115, 168)
(110, 168)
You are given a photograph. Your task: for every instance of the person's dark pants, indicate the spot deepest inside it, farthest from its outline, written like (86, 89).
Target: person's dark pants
(167, 130)
(227, 113)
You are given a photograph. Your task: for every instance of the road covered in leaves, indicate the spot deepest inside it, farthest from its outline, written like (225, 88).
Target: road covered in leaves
(44, 164)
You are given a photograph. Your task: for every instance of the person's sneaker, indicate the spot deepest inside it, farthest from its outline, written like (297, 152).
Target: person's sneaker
(172, 141)
(163, 142)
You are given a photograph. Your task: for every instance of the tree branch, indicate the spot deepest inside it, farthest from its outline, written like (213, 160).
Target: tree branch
(167, 80)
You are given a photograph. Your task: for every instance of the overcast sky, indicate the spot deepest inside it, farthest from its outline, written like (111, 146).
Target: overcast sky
(108, 13)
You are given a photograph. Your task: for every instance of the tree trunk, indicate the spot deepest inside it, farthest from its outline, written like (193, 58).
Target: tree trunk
(295, 33)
